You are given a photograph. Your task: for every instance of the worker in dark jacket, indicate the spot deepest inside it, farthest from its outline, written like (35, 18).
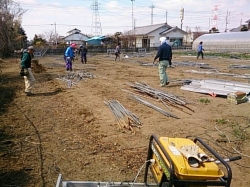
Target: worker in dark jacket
(83, 52)
(165, 56)
(117, 52)
(29, 79)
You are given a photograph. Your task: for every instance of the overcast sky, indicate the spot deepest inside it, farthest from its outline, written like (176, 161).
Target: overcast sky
(116, 15)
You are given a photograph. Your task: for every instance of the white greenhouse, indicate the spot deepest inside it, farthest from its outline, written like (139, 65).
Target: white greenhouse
(225, 42)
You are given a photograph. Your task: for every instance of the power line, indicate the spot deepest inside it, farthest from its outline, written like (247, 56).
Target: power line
(118, 13)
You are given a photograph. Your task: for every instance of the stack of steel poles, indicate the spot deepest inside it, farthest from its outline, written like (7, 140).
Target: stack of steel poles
(168, 99)
(124, 117)
(138, 99)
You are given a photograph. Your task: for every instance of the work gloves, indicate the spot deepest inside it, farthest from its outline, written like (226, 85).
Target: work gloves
(23, 72)
(70, 59)
(194, 158)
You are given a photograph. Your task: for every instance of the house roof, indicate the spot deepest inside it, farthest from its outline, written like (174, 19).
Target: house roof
(237, 29)
(145, 30)
(76, 37)
(172, 29)
(248, 21)
(75, 29)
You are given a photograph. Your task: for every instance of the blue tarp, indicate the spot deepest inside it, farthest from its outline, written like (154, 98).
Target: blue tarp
(96, 40)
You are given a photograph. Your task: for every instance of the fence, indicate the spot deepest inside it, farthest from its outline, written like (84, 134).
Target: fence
(105, 50)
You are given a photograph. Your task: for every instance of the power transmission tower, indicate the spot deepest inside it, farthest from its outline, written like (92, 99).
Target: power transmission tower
(96, 29)
(215, 17)
(152, 13)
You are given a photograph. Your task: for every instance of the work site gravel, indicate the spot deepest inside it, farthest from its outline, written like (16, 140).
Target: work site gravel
(68, 128)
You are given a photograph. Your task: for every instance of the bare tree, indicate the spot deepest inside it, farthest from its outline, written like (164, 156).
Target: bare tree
(10, 23)
(50, 36)
(128, 39)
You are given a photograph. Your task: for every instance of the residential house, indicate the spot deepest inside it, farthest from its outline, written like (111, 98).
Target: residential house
(245, 26)
(75, 36)
(174, 35)
(148, 36)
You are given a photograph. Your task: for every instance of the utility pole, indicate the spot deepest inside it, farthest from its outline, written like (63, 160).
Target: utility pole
(132, 14)
(152, 13)
(182, 16)
(209, 23)
(166, 16)
(55, 34)
(133, 26)
(241, 18)
(228, 13)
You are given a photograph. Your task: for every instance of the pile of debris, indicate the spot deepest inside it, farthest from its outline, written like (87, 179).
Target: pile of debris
(185, 63)
(73, 77)
(36, 67)
(193, 64)
(215, 72)
(124, 117)
(233, 66)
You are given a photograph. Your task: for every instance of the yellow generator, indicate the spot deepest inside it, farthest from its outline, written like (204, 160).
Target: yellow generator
(173, 162)
(171, 169)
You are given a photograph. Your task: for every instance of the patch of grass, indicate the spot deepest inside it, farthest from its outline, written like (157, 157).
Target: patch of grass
(221, 121)
(238, 131)
(205, 101)
(222, 135)
(235, 129)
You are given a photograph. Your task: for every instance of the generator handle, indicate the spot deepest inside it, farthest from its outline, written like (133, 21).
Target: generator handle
(150, 153)
(235, 158)
(229, 171)
(59, 180)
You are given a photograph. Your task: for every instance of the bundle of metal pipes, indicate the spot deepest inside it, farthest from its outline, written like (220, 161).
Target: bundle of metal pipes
(124, 117)
(138, 99)
(73, 77)
(168, 99)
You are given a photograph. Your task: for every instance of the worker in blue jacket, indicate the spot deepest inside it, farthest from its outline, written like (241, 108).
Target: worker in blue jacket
(200, 50)
(69, 56)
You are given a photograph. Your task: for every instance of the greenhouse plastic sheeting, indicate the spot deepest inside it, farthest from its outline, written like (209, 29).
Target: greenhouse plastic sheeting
(225, 42)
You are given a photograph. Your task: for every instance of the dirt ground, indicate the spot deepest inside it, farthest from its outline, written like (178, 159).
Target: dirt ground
(70, 131)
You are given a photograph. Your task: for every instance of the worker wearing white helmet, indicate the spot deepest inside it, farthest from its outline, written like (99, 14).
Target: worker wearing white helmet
(165, 56)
